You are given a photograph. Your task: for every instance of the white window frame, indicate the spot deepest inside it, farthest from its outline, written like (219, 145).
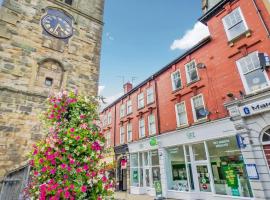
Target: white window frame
(129, 107)
(109, 118)
(149, 124)
(242, 75)
(193, 108)
(177, 115)
(122, 134)
(172, 80)
(122, 110)
(150, 95)
(129, 132)
(187, 74)
(229, 37)
(139, 98)
(141, 122)
(104, 120)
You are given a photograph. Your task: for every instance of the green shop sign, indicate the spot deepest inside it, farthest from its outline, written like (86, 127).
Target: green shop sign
(158, 188)
(153, 141)
(231, 176)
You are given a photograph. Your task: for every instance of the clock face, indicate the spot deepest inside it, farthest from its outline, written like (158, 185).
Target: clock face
(57, 26)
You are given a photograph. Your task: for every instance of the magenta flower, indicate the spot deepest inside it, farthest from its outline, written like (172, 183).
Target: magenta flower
(85, 167)
(72, 130)
(104, 179)
(53, 171)
(83, 188)
(67, 194)
(44, 169)
(77, 137)
(84, 126)
(41, 160)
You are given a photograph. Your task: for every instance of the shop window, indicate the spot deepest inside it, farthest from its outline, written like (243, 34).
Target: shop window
(134, 168)
(199, 151)
(228, 168)
(191, 72)
(234, 24)
(252, 75)
(122, 110)
(155, 166)
(152, 124)
(141, 128)
(178, 174)
(140, 100)
(129, 132)
(150, 95)
(181, 114)
(176, 80)
(198, 108)
(129, 107)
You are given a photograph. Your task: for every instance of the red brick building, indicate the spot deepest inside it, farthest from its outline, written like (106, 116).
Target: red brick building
(175, 127)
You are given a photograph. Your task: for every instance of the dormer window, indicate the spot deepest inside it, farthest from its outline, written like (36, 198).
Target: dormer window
(69, 2)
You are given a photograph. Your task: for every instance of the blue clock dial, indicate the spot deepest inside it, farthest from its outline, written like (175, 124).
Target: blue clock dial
(57, 26)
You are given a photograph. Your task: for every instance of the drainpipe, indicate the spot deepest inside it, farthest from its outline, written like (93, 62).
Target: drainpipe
(157, 104)
(261, 18)
(114, 126)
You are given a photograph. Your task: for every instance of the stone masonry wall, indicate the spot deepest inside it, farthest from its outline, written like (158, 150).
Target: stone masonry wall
(27, 55)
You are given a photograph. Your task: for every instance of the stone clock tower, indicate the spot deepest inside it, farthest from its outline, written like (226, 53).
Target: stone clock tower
(45, 45)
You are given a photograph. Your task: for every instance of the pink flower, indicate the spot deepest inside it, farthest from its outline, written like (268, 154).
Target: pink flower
(69, 168)
(71, 161)
(35, 152)
(83, 188)
(35, 173)
(31, 162)
(44, 169)
(65, 176)
(84, 126)
(63, 165)
(78, 170)
(96, 146)
(53, 171)
(99, 198)
(51, 116)
(104, 179)
(67, 194)
(55, 105)
(77, 137)
(93, 174)
(41, 160)
(85, 167)
(82, 116)
(72, 130)
(72, 186)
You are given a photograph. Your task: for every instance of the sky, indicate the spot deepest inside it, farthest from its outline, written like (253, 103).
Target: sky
(142, 36)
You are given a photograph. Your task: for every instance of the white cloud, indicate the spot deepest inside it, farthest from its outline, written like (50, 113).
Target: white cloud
(191, 37)
(109, 36)
(100, 89)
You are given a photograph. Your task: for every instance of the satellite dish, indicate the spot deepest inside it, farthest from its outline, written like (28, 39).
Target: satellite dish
(201, 65)
(204, 112)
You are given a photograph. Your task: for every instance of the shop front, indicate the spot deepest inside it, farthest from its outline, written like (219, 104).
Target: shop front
(204, 162)
(144, 167)
(251, 117)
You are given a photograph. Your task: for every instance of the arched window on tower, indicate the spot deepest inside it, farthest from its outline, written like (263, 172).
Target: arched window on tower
(266, 144)
(50, 74)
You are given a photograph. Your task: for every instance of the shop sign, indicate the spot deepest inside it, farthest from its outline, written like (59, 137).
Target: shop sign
(158, 188)
(231, 176)
(123, 164)
(221, 143)
(252, 171)
(256, 107)
(240, 141)
(190, 135)
(153, 142)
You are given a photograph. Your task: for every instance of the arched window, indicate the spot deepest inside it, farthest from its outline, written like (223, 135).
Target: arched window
(49, 74)
(266, 144)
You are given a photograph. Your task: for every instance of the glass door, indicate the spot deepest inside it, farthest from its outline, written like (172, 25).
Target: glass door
(203, 177)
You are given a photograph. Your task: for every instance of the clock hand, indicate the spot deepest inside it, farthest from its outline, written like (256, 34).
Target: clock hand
(58, 27)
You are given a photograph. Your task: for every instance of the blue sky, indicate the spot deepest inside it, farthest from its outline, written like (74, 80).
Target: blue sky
(141, 36)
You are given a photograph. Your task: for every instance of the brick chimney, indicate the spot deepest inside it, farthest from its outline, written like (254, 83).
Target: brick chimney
(127, 87)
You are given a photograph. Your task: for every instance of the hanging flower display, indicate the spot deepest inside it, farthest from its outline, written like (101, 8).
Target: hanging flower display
(67, 163)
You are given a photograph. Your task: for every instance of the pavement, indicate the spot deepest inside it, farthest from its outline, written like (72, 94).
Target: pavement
(126, 196)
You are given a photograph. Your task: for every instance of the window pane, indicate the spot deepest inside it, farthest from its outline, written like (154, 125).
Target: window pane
(177, 178)
(146, 159)
(154, 157)
(266, 136)
(135, 177)
(156, 174)
(147, 177)
(256, 80)
(200, 113)
(134, 160)
(199, 151)
(193, 75)
(226, 158)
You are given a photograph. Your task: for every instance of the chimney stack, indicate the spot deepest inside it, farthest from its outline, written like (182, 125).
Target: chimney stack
(127, 87)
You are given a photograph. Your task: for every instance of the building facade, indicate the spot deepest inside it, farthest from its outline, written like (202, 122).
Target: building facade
(45, 46)
(200, 125)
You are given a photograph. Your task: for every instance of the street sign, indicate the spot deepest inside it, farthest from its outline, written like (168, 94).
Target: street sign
(240, 141)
